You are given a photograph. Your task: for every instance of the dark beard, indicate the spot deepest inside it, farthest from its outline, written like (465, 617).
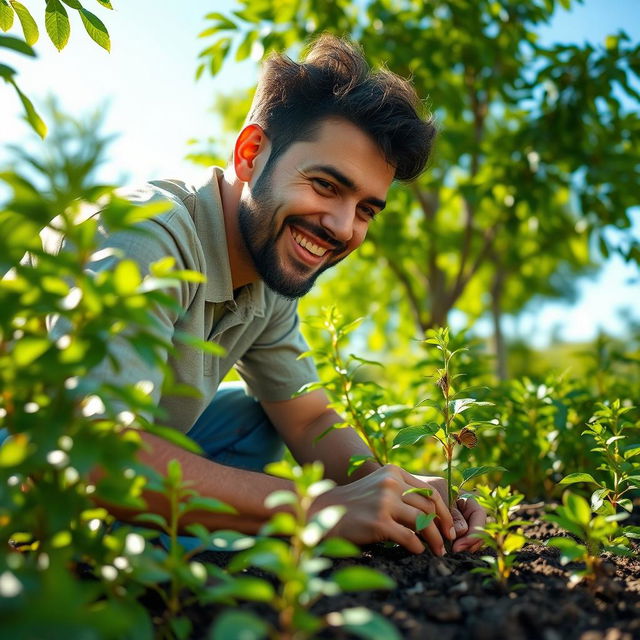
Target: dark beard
(255, 219)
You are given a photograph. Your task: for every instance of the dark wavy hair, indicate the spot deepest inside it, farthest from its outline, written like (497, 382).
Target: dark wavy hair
(334, 80)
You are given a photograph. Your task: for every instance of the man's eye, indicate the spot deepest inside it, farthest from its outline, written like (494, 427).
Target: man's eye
(323, 185)
(368, 212)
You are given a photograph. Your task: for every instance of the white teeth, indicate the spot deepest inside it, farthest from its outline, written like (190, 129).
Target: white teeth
(308, 245)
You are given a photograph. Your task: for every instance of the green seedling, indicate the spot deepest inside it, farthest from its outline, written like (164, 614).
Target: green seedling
(501, 534)
(618, 460)
(452, 430)
(595, 535)
(361, 401)
(300, 565)
(173, 573)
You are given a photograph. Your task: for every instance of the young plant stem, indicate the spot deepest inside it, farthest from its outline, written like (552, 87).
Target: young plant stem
(340, 369)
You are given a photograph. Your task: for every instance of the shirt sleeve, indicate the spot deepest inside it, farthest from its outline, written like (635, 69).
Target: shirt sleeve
(271, 368)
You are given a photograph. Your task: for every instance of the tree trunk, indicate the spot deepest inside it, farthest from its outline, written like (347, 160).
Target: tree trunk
(497, 289)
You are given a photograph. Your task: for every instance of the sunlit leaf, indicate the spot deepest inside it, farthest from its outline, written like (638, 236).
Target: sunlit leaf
(361, 579)
(28, 24)
(56, 22)
(96, 29)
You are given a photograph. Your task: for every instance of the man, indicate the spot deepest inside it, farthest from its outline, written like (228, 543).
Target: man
(324, 140)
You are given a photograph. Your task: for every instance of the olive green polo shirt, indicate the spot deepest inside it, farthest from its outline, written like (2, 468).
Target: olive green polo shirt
(258, 328)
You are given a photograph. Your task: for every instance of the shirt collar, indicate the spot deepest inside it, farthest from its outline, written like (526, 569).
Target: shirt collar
(209, 223)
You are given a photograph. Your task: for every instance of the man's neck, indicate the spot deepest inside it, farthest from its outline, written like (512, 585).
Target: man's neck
(242, 269)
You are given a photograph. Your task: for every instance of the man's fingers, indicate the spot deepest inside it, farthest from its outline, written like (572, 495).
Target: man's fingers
(408, 517)
(404, 536)
(459, 522)
(444, 520)
(476, 518)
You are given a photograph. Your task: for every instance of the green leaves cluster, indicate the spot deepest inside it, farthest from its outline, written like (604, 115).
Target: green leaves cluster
(300, 566)
(618, 459)
(58, 29)
(58, 425)
(174, 575)
(533, 158)
(500, 533)
(595, 534)
(362, 401)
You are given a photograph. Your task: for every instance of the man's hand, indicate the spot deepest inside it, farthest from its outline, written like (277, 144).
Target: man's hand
(377, 510)
(467, 515)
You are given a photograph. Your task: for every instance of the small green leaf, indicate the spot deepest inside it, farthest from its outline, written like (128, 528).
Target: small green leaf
(175, 437)
(212, 505)
(206, 346)
(181, 627)
(569, 549)
(281, 469)
(29, 349)
(337, 548)
(152, 518)
(96, 29)
(280, 524)
(11, 42)
(126, 277)
(626, 504)
(424, 520)
(577, 508)
(56, 22)
(174, 472)
(364, 623)
(28, 24)
(6, 15)
(225, 540)
(105, 3)
(572, 478)
(361, 579)
(474, 472)
(278, 498)
(251, 588)
(7, 72)
(14, 450)
(411, 435)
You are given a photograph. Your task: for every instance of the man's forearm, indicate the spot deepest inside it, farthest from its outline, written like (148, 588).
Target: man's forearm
(244, 490)
(334, 449)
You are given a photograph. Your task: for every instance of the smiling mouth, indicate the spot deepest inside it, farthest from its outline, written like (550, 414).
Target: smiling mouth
(307, 244)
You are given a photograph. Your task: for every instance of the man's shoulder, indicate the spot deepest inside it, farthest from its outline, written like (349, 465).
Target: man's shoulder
(178, 194)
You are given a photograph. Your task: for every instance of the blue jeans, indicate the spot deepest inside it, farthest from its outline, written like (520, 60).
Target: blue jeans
(235, 431)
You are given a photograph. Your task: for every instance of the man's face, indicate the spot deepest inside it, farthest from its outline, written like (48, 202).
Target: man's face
(312, 207)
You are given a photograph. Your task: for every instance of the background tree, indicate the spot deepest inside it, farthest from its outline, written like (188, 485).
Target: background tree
(534, 157)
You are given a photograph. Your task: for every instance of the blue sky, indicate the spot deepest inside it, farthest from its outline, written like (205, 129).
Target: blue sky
(156, 105)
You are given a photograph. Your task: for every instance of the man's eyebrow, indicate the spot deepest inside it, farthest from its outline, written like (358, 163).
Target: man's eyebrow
(347, 182)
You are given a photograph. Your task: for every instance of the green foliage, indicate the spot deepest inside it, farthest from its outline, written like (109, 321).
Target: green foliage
(533, 158)
(177, 572)
(360, 400)
(452, 429)
(596, 534)
(62, 426)
(300, 564)
(618, 459)
(501, 534)
(58, 29)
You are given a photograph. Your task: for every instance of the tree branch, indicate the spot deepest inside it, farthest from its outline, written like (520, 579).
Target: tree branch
(414, 301)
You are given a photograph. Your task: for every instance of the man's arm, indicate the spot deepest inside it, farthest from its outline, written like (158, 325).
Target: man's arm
(246, 491)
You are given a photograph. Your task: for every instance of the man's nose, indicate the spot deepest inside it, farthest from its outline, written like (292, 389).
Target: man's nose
(339, 222)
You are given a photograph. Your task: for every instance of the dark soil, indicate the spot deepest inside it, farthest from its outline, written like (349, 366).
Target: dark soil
(439, 598)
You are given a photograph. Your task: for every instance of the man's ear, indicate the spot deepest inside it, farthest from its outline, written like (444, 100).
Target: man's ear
(252, 143)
